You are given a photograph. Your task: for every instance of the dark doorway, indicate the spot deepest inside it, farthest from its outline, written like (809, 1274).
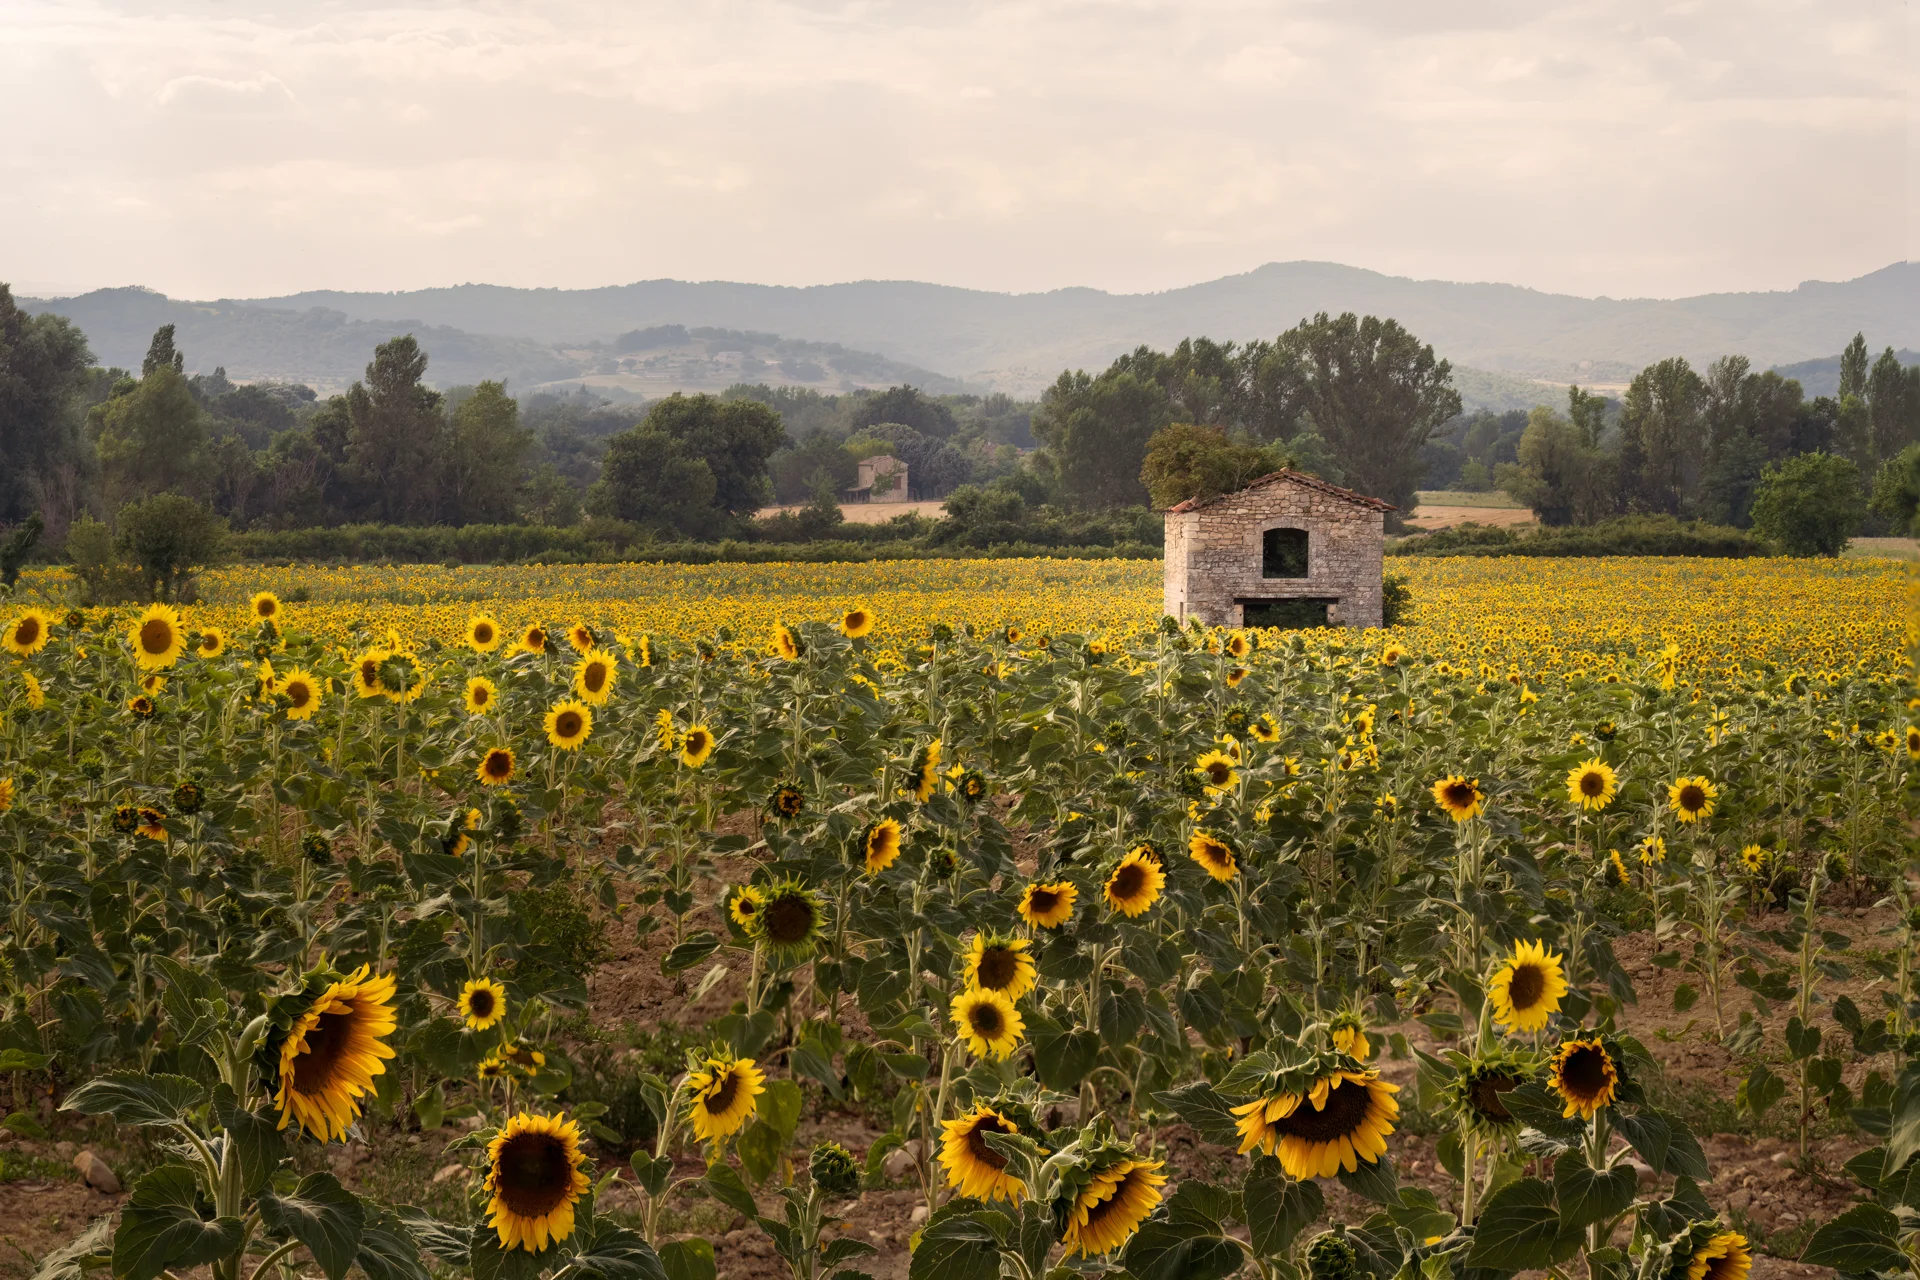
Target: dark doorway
(1283, 553)
(1289, 615)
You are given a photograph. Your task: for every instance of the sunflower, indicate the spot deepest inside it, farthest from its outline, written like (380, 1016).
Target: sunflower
(569, 724)
(721, 1096)
(212, 643)
(141, 706)
(1479, 1088)
(856, 622)
(1215, 854)
(1011, 635)
(924, 772)
(1461, 797)
(496, 767)
(1652, 850)
(483, 633)
(402, 679)
(36, 696)
(881, 844)
(1725, 1256)
(483, 1002)
(791, 921)
(582, 638)
(480, 695)
(1527, 989)
(1590, 785)
(1619, 867)
(1216, 767)
(787, 802)
(995, 963)
(491, 1068)
(532, 640)
(785, 644)
(366, 673)
(125, 818)
(153, 682)
(593, 676)
(1112, 1206)
(1754, 859)
(534, 1178)
(28, 633)
(1264, 729)
(974, 1168)
(156, 639)
(1692, 798)
(6, 794)
(696, 745)
(332, 1053)
(265, 606)
(1048, 905)
(459, 836)
(302, 692)
(1237, 646)
(1913, 742)
(747, 905)
(1349, 1035)
(1340, 1121)
(1584, 1075)
(987, 1023)
(1135, 883)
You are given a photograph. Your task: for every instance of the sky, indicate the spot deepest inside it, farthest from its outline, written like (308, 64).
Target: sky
(229, 148)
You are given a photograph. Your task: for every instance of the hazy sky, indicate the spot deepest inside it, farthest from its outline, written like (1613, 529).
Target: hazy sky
(241, 148)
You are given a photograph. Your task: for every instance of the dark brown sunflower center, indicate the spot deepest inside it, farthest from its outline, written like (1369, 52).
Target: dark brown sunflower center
(27, 632)
(1592, 783)
(369, 672)
(723, 1093)
(483, 634)
(856, 620)
(1218, 771)
(977, 1143)
(314, 1070)
(498, 764)
(1042, 901)
(1692, 797)
(1459, 794)
(533, 1175)
(697, 743)
(480, 1003)
(596, 677)
(1725, 1268)
(1214, 853)
(480, 695)
(1584, 1073)
(299, 693)
(986, 1021)
(998, 967)
(1528, 985)
(567, 724)
(156, 636)
(1129, 881)
(536, 639)
(1346, 1108)
(1486, 1096)
(1116, 1205)
(789, 920)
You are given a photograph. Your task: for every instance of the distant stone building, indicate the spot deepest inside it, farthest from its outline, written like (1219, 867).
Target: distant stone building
(1289, 550)
(889, 470)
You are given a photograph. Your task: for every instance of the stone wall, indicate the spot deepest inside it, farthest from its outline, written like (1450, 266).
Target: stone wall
(1214, 554)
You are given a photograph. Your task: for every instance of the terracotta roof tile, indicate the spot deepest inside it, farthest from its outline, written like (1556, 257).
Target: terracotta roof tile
(1297, 477)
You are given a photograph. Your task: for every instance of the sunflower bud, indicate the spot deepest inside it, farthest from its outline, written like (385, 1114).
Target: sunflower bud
(93, 766)
(1332, 1257)
(125, 819)
(316, 848)
(833, 1170)
(188, 797)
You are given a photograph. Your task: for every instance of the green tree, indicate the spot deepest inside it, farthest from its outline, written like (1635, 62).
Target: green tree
(1809, 505)
(1187, 461)
(171, 538)
(817, 461)
(908, 406)
(1096, 431)
(1588, 410)
(152, 438)
(651, 478)
(1896, 490)
(487, 455)
(551, 499)
(1558, 473)
(734, 438)
(1853, 368)
(1893, 401)
(44, 453)
(1661, 445)
(395, 433)
(161, 353)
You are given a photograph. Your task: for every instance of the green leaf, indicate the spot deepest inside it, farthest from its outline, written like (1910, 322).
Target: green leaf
(652, 1171)
(723, 1183)
(1062, 1056)
(1903, 1136)
(1803, 1041)
(256, 1139)
(1200, 1106)
(89, 1251)
(21, 1060)
(489, 1261)
(1588, 1196)
(322, 1215)
(959, 1247)
(780, 1107)
(615, 1252)
(1163, 1250)
(1538, 1107)
(1864, 1239)
(1276, 1207)
(1517, 1228)
(759, 1148)
(834, 1252)
(161, 1227)
(387, 1251)
(689, 1259)
(1685, 996)
(430, 1108)
(1376, 1181)
(811, 1059)
(1759, 1091)
(26, 1126)
(690, 953)
(134, 1098)
(1648, 1133)
(442, 1240)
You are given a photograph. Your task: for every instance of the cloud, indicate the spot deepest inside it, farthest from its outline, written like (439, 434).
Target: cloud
(1620, 148)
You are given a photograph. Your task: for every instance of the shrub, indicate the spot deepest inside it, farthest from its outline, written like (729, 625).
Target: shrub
(171, 539)
(100, 576)
(1809, 505)
(1623, 536)
(1396, 600)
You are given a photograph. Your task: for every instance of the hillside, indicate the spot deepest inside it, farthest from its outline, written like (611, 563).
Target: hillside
(1020, 342)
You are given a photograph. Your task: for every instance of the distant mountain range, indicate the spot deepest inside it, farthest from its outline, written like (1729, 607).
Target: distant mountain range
(1505, 339)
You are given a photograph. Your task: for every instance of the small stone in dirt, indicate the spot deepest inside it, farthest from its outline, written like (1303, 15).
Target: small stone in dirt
(65, 1150)
(901, 1161)
(97, 1173)
(413, 1139)
(470, 1123)
(918, 1215)
(1782, 1158)
(448, 1171)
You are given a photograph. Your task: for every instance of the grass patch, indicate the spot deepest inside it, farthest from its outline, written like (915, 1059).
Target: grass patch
(1466, 498)
(18, 1166)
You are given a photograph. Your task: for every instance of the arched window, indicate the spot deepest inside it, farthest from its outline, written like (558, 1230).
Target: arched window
(1283, 553)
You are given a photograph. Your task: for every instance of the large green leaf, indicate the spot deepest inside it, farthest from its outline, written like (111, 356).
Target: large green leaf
(1864, 1239)
(617, 1253)
(322, 1215)
(835, 1252)
(689, 1259)
(1062, 1056)
(759, 1147)
(443, 1241)
(1903, 1137)
(387, 1251)
(256, 1138)
(1538, 1107)
(1163, 1250)
(1277, 1208)
(959, 1247)
(1517, 1228)
(1587, 1196)
(161, 1227)
(488, 1261)
(132, 1097)
(1759, 1091)
(780, 1107)
(1376, 1180)
(723, 1184)
(1207, 1111)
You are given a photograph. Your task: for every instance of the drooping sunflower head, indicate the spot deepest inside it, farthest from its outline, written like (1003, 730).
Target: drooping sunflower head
(696, 745)
(1216, 769)
(1460, 796)
(987, 1023)
(568, 724)
(459, 836)
(1214, 854)
(923, 774)
(881, 844)
(533, 639)
(366, 673)
(156, 638)
(153, 823)
(1237, 645)
(332, 1052)
(856, 622)
(402, 678)
(1048, 905)
(1692, 798)
(483, 634)
(1336, 1120)
(1585, 1075)
(997, 963)
(747, 907)
(1135, 884)
(303, 694)
(973, 1167)
(1235, 675)
(1591, 785)
(1264, 729)
(1526, 990)
(264, 606)
(972, 785)
(496, 767)
(125, 819)
(581, 637)
(832, 1168)
(1479, 1091)
(1348, 1032)
(593, 676)
(483, 1002)
(785, 643)
(480, 695)
(792, 920)
(722, 1096)
(28, 633)
(1111, 1204)
(1011, 635)
(1711, 1253)
(141, 706)
(787, 802)
(534, 1180)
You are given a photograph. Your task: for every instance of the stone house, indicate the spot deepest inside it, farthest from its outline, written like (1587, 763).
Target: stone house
(1288, 550)
(880, 467)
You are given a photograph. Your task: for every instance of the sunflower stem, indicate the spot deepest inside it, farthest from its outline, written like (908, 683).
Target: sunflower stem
(275, 1257)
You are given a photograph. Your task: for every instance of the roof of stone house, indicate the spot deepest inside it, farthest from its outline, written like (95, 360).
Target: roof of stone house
(1297, 477)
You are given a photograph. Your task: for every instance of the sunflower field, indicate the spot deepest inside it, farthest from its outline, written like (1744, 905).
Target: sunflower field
(983, 861)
